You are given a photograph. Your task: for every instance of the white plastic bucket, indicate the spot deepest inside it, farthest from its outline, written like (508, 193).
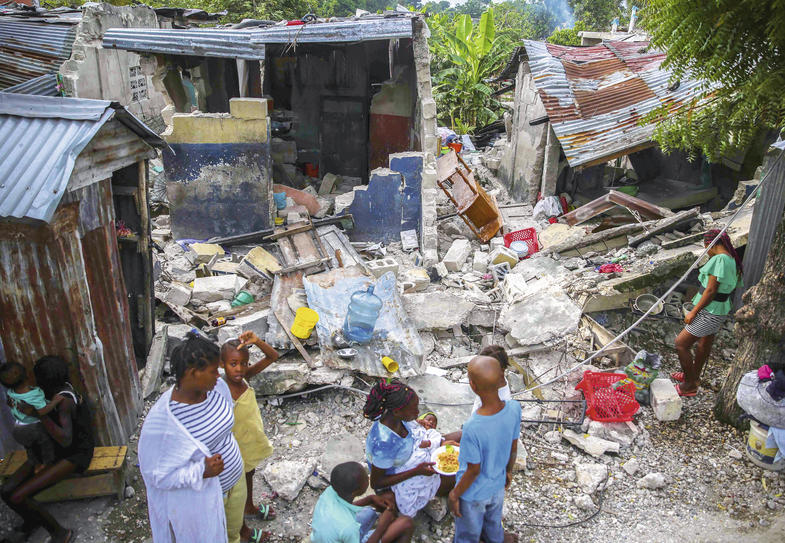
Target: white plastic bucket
(757, 451)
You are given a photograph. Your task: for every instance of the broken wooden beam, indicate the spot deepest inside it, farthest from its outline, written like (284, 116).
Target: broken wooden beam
(686, 240)
(346, 220)
(598, 237)
(665, 225)
(611, 200)
(151, 374)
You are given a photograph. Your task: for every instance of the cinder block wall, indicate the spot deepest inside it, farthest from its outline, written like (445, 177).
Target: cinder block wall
(219, 171)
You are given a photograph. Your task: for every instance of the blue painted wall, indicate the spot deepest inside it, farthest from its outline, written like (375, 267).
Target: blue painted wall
(218, 189)
(392, 203)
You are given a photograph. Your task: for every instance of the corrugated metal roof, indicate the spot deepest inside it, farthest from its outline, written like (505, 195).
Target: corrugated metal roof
(363, 29)
(30, 49)
(249, 43)
(40, 138)
(211, 42)
(596, 96)
(45, 85)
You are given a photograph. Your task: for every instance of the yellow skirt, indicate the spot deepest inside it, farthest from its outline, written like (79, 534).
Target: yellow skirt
(249, 431)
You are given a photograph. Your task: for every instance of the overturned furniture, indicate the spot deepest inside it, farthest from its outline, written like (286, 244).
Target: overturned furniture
(477, 209)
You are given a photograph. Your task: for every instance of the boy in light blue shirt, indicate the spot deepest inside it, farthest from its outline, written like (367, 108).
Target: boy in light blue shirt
(341, 518)
(488, 449)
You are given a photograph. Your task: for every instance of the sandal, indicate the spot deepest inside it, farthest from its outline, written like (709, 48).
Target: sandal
(263, 512)
(686, 394)
(257, 536)
(678, 376)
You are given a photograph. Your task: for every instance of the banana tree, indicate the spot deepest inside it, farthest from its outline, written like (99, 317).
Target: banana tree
(465, 56)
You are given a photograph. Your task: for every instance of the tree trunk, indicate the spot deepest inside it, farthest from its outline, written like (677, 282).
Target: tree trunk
(760, 323)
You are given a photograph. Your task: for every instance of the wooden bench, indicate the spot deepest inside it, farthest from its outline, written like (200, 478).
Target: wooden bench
(105, 476)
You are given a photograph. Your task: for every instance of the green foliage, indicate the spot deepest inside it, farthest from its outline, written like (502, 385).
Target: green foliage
(465, 55)
(736, 46)
(596, 15)
(567, 36)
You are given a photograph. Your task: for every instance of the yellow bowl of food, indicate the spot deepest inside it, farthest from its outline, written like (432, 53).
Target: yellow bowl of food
(445, 459)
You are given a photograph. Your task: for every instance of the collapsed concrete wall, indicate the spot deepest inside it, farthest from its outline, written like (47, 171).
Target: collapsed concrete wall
(219, 173)
(114, 74)
(523, 164)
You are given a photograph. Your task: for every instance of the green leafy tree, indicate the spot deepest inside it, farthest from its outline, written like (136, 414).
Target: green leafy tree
(596, 15)
(736, 47)
(473, 8)
(465, 56)
(567, 36)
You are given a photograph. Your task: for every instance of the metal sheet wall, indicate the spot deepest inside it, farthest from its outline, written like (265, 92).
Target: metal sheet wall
(30, 49)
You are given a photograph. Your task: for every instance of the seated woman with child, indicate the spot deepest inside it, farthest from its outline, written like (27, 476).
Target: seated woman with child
(398, 449)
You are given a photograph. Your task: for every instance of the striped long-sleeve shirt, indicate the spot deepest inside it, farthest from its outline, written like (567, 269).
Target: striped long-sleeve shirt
(211, 423)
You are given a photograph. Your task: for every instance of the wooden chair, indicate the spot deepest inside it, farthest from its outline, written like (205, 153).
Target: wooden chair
(477, 209)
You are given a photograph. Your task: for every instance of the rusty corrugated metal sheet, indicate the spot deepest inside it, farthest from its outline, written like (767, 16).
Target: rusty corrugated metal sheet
(200, 42)
(45, 85)
(46, 304)
(596, 96)
(30, 49)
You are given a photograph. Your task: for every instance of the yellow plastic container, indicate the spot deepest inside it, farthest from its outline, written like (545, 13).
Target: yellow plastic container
(278, 221)
(390, 364)
(304, 320)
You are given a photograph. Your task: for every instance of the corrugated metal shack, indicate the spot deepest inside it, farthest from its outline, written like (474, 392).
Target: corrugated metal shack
(68, 169)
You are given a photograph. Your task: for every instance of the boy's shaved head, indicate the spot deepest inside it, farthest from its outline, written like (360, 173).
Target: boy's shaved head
(230, 346)
(485, 372)
(348, 478)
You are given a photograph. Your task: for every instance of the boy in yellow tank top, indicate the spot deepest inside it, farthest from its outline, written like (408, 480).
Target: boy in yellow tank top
(248, 427)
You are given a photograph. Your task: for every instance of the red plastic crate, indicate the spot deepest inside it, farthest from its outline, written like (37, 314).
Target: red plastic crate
(604, 403)
(529, 235)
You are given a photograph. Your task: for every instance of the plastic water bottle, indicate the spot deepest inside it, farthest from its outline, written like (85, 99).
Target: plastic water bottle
(364, 309)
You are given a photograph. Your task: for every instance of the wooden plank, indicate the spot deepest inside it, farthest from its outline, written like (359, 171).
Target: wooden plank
(664, 225)
(289, 232)
(151, 379)
(93, 486)
(611, 200)
(619, 352)
(295, 341)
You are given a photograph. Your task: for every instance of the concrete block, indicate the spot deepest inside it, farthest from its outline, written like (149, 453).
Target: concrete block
(457, 254)
(436, 311)
(217, 287)
(288, 477)
(202, 253)
(503, 254)
(495, 243)
(409, 240)
(218, 307)
(248, 108)
(178, 295)
(282, 377)
(417, 278)
(442, 270)
(428, 178)
(216, 128)
(255, 322)
(665, 401)
(283, 152)
(258, 262)
(381, 266)
(480, 261)
(328, 183)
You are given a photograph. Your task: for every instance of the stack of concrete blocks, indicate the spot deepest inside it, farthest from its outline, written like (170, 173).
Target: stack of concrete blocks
(218, 177)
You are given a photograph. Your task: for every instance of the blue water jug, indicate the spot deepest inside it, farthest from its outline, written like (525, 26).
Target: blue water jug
(364, 309)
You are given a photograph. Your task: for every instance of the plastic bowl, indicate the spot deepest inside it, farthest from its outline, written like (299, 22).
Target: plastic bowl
(520, 247)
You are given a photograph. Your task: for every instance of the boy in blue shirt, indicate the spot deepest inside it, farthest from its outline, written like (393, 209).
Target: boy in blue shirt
(339, 518)
(488, 449)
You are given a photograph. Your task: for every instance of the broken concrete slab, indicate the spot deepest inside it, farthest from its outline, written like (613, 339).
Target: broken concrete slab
(202, 253)
(436, 310)
(258, 263)
(346, 448)
(178, 295)
(622, 433)
(218, 287)
(590, 476)
(280, 378)
(288, 477)
(457, 254)
(480, 261)
(442, 391)
(255, 322)
(652, 481)
(151, 378)
(328, 183)
(543, 316)
(415, 279)
(592, 445)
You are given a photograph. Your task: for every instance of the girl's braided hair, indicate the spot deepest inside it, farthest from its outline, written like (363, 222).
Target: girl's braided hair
(195, 352)
(725, 241)
(386, 395)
